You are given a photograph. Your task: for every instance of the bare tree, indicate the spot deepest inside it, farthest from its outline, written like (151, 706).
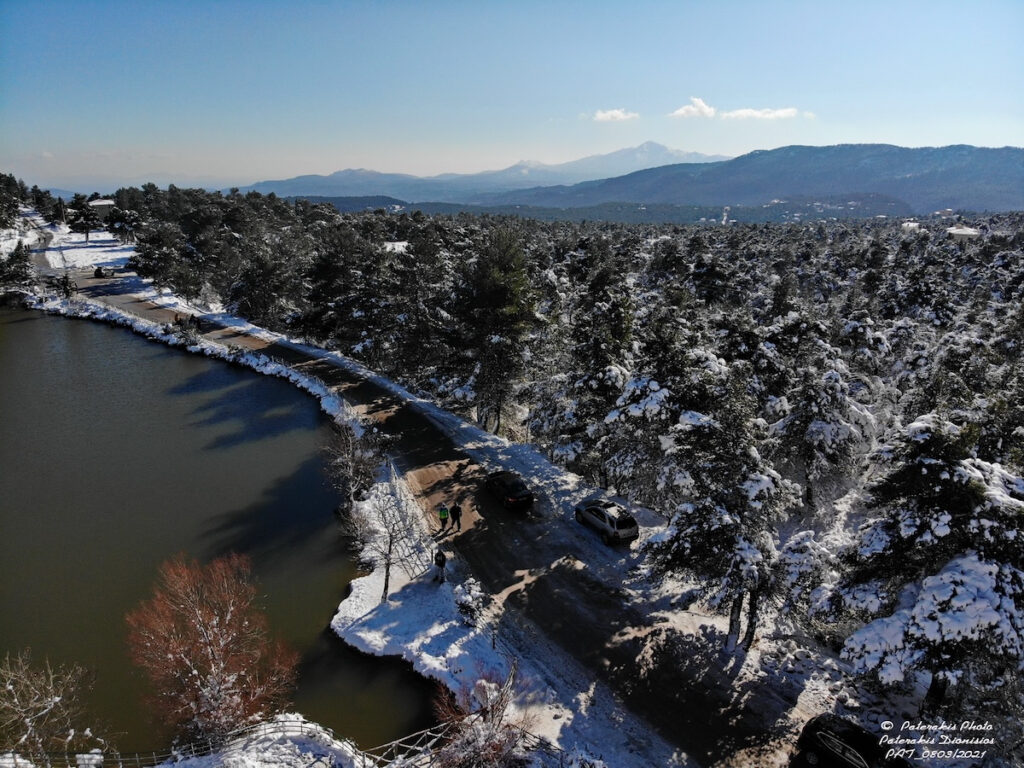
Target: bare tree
(383, 528)
(41, 710)
(491, 736)
(353, 458)
(204, 644)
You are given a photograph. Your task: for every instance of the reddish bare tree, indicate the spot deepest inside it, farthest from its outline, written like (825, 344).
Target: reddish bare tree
(204, 644)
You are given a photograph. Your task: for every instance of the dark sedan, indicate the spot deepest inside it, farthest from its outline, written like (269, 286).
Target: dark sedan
(509, 489)
(829, 741)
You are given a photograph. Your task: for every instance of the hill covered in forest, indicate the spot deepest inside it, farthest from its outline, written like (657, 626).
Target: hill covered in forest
(925, 179)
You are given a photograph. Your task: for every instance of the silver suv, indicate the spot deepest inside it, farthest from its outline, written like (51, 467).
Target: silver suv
(609, 519)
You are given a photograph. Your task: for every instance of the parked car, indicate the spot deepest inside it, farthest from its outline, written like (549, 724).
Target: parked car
(609, 519)
(509, 489)
(830, 741)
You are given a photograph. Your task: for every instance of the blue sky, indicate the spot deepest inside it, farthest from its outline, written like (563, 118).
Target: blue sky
(234, 92)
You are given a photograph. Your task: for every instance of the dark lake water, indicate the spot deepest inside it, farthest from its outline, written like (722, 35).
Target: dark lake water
(117, 453)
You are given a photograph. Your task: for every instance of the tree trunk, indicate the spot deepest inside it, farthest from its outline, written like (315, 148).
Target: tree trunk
(387, 582)
(935, 695)
(734, 622)
(808, 491)
(753, 607)
(387, 568)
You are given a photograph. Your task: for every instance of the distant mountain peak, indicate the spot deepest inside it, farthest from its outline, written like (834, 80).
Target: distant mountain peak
(469, 187)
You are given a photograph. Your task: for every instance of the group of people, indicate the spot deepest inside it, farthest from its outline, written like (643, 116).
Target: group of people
(446, 515)
(453, 515)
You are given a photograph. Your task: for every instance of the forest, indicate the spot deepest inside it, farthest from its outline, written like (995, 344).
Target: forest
(828, 414)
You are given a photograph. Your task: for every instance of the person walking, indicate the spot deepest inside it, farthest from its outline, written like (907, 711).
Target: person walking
(440, 560)
(456, 513)
(442, 514)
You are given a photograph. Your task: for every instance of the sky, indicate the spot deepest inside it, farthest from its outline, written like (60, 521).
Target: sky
(220, 93)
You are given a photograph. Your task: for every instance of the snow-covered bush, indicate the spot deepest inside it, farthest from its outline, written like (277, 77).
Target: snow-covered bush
(471, 600)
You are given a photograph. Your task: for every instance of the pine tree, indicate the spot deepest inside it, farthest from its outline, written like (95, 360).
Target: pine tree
(160, 253)
(823, 428)
(600, 358)
(501, 309)
(83, 217)
(16, 268)
(123, 224)
(723, 533)
(950, 532)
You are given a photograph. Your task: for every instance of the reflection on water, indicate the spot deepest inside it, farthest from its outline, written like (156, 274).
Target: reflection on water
(117, 453)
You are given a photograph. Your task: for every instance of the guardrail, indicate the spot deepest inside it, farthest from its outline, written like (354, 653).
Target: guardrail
(416, 750)
(115, 759)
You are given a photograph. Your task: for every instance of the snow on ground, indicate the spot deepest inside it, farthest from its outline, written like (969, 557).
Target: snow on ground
(25, 231)
(70, 249)
(555, 697)
(288, 741)
(421, 620)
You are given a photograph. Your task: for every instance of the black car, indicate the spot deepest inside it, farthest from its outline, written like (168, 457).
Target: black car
(509, 489)
(830, 741)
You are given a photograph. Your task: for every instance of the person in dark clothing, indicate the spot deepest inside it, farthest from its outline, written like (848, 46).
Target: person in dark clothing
(440, 560)
(456, 513)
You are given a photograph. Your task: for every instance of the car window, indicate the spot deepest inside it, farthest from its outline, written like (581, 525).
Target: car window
(849, 756)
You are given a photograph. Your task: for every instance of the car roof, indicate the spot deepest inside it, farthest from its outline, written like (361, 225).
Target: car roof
(613, 508)
(853, 733)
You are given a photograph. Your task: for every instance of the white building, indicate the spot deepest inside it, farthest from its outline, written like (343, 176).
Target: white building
(103, 206)
(963, 234)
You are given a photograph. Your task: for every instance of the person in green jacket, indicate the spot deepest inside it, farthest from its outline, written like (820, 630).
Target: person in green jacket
(442, 513)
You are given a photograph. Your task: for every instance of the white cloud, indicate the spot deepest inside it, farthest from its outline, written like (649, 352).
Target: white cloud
(760, 114)
(700, 108)
(614, 115)
(696, 108)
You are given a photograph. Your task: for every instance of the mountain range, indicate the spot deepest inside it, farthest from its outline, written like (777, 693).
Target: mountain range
(915, 180)
(473, 187)
(926, 179)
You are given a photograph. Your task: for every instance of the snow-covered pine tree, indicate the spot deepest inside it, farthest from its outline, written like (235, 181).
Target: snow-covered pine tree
(940, 573)
(601, 355)
(82, 217)
(724, 532)
(500, 312)
(823, 428)
(16, 267)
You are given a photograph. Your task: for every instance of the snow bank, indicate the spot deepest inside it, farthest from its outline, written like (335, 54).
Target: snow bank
(288, 741)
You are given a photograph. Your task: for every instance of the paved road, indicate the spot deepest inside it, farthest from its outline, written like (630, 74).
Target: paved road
(548, 569)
